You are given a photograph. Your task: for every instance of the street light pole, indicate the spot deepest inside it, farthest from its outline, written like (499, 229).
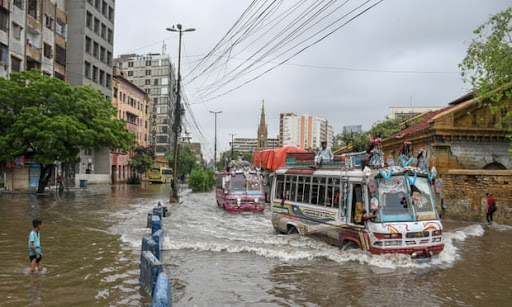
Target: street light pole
(215, 144)
(177, 115)
(232, 157)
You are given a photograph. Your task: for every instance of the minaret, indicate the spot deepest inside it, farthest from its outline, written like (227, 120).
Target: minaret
(262, 130)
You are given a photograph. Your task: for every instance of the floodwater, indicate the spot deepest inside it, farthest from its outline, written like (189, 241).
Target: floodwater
(91, 240)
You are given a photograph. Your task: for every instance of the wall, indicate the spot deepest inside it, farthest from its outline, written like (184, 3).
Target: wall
(464, 194)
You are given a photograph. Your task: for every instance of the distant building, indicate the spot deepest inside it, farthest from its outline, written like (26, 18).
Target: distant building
(250, 145)
(353, 129)
(154, 74)
(304, 131)
(90, 39)
(262, 136)
(406, 112)
(132, 105)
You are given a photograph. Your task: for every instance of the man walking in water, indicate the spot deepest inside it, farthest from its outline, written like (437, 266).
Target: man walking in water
(34, 246)
(491, 207)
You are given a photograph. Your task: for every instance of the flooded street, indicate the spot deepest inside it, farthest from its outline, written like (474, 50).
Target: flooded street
(91, 242)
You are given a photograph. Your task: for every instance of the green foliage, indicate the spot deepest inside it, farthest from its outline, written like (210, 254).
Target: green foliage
(46, 119)
(358, 141)
(186, 160)
(488, 65)
(142, 159)
(383, 129)
(201, 180)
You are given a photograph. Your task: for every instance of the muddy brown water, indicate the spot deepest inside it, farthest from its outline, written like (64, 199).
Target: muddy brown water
(91, 242)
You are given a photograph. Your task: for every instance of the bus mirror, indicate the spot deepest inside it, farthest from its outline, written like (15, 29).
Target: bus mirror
(374, 204)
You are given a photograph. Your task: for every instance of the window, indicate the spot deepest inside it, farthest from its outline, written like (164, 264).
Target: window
(4, 19)
(16, 31)
(94, 73)
(165, 81)
(108, 81)
(148, 72)
(88, 20)
(18, 4)
(115, 91)
(130, 64)
(15, 64)
(88, 44)
(165, 91)
(97, 4)
(148, 63)
(155, 82)
(130, 73)
(103, 31)
(48, 21)
(60, 55)
(102, 54)
(60, 28)
(4, 51)
(104, 8)
(110, 13)
(47, 51)
(96, 26)
(59, 76)
(95, 49)
(87, 69)
(102, 77)
(109, 36)
(109, 58)
(32, 8)
(148, 82)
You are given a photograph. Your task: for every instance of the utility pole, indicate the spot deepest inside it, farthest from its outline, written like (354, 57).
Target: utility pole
(177, 115)
(232, 157)
(215, 145)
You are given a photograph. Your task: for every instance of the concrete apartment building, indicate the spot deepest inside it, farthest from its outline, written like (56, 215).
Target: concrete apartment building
(154, 73)
(132, 105)
(89, 62)
(304, 131)
(33, 36)
(250, 145)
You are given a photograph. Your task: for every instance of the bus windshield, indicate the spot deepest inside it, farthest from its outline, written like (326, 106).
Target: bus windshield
(421, 198)
(394, 204)
(240, 185)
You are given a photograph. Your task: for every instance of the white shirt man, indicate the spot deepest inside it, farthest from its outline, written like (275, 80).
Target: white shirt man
(325, 154)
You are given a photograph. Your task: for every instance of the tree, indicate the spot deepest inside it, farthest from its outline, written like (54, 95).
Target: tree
(488, 66)
(186, 160)
(359, 141)
(383, 129)
(47, 120)
(201, 180)
(142, 160)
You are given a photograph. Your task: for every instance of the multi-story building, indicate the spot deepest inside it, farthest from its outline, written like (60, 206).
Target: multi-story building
(132, 105)
(89, 62)
(33, 36)
(406, 112)
(250, 145)
(154, 73)
(352, 129)
(304, 131)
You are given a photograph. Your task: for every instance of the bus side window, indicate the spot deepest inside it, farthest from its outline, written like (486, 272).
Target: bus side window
(279, 186)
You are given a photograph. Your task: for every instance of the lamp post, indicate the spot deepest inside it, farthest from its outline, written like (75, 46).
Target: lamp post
(232, 135)
(215, 141)
(177, 115)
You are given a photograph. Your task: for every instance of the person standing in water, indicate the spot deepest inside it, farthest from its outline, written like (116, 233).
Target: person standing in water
(34, 246)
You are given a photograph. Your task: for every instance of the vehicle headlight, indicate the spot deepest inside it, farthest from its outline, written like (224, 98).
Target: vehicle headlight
(256, 200)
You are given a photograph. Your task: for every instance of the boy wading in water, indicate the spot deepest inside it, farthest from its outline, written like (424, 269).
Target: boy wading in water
(34, 247)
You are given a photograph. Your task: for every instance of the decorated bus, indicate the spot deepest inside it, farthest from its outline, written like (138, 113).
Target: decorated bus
(240, 188)
(360, 201)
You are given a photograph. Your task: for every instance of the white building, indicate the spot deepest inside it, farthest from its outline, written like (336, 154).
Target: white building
(304, 131)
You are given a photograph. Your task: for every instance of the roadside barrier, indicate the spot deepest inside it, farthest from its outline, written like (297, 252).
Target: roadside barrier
(152, 278)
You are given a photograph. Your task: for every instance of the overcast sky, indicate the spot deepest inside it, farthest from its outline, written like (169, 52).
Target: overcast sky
(399, 53)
